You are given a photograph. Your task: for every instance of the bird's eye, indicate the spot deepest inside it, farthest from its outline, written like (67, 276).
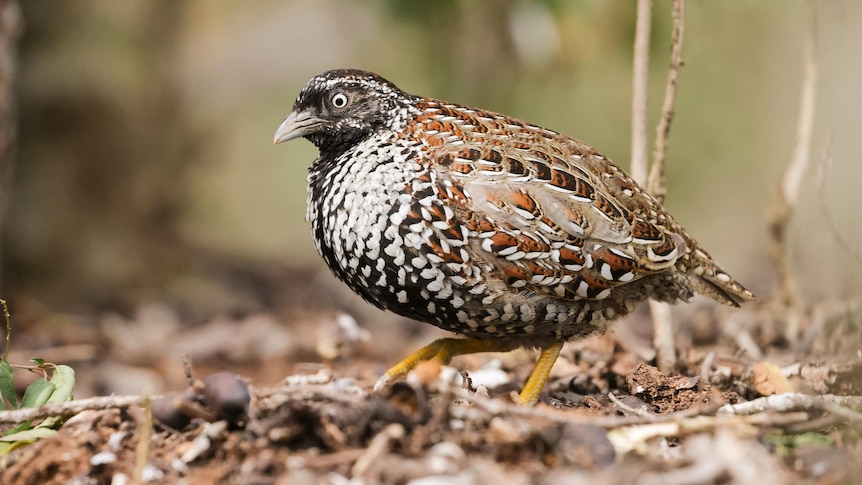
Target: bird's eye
(339, 100)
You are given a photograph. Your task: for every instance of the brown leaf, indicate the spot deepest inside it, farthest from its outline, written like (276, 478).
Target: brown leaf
(767, 379)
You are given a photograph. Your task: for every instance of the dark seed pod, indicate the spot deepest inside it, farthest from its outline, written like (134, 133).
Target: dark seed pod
(227, 396)
(170, 409)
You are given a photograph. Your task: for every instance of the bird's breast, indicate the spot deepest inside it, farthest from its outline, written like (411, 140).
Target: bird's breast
(351, 202)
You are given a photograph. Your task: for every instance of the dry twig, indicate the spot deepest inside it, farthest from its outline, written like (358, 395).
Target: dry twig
(787, 193)
(633, 437)
(643, 413)
(662, 323)
(145, 434)
(663, 336)
(705, 369)
(656, 185)
(640, 84)
(70, 408)
(783, 403)
(837, 376)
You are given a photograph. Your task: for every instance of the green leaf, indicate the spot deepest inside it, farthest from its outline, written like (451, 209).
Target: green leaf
(7, 387)
(12, 442)
(37, 393)
(64, 380)
(39, 362)
(21, 427)
(29, 435)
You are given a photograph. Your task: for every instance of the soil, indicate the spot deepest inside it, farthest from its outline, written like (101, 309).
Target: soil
(285, 396)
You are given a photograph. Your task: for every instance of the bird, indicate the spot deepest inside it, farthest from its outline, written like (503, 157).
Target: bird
(508, 234)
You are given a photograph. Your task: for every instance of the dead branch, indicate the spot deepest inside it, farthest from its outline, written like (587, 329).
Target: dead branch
(782, 403)
(736, 328)
(705, 370)
(640, 84)
(635, 437)
(656, 184)
(719, 457)
(145, 434)
(643, 413)
(787, 193)
(661, 317)
(69, 408)
(663, 336)
(841, 376)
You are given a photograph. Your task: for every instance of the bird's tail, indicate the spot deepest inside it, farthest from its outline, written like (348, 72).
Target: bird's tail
(712, 281)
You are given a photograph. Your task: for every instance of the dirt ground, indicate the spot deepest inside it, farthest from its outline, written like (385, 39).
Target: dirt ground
(606, 416)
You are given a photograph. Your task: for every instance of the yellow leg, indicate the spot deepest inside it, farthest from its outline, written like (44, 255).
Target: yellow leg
(441, 349)
(530, 394)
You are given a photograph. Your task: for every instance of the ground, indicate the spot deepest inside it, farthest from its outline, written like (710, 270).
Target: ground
(606, 416)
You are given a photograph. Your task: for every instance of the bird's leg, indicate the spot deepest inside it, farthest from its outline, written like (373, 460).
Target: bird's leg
(442, 350)
(530, 394)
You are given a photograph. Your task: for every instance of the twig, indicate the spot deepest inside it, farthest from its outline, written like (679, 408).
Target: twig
(793, 402)
(640, 84)
(665, 354)
(846, 414)
(628, 438)
(145, 434)
(787, 193)
(379, 446)
(705, 369)
(840, 376)
(736, 328)
(643, 413)
(655, 185)
(661, 317)
(69, 408)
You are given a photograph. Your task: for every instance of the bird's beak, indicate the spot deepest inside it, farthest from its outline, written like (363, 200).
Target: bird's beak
(297, 124)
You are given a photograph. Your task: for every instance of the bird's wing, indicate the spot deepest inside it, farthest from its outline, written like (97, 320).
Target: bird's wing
(544, 209)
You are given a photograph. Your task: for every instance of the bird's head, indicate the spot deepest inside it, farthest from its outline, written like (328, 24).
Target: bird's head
(340, 108)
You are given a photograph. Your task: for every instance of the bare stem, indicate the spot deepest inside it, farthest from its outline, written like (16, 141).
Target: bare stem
(640, 83)
(787, 193)
(145, 435)
(69, 408)
(662, 321)
(656, 183)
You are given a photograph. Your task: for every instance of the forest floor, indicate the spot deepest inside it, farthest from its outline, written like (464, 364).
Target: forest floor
(743, 406)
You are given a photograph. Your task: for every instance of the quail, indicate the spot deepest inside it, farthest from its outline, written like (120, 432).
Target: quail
(507, 233)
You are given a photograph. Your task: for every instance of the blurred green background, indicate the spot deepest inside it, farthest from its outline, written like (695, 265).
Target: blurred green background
(145, 168)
